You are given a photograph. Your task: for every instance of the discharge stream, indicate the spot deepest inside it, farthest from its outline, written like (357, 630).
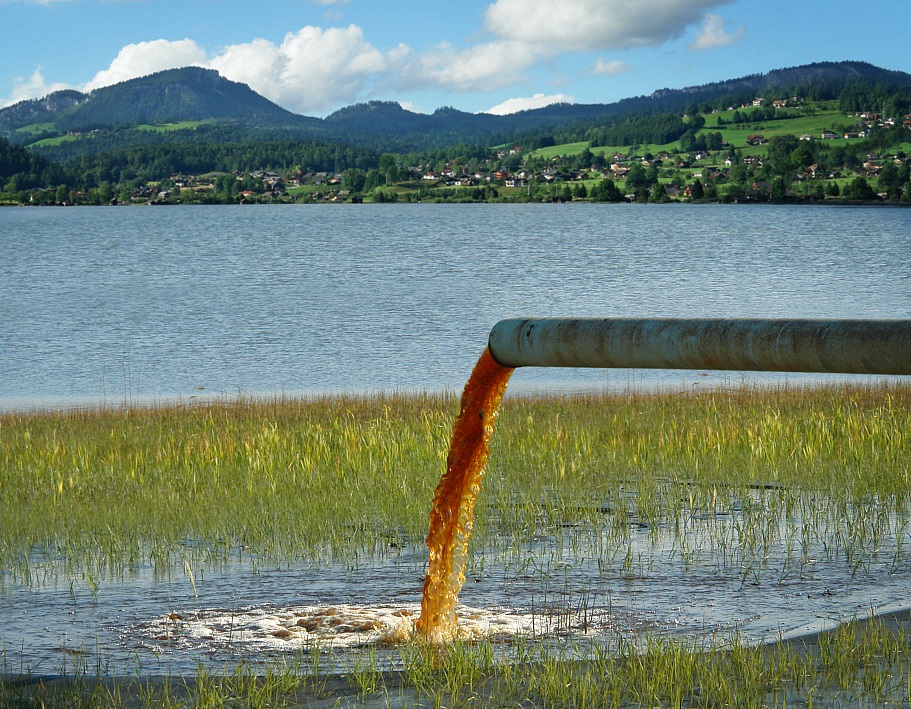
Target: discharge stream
(452, 513)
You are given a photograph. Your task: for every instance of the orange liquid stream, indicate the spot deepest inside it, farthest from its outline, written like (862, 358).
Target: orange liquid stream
(453, 502)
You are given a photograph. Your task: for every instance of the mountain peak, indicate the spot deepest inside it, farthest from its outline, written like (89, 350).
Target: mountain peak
(185, 94)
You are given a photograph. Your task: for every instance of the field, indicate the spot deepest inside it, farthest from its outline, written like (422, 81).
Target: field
(736, 135)
(35, 128)
(167, 127)
(47, 142)
(822, 472)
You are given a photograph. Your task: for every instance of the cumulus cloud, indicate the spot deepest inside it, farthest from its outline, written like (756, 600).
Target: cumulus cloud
(484, 67)
(145, 58)
(613, 68)
(316, 69)
(514, 105)
(32, 87)
(410, 106)
(712, 34)
(595, 25)
(311, 70)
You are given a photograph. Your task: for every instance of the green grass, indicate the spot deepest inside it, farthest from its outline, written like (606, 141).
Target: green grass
(289, 479)
(564, 149)
(168, 127)
(36, 128)
(336, 477)
(736, 135)
(862, 663)
(48, 142)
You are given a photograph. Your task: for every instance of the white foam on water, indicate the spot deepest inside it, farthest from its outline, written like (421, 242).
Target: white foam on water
(336, 627)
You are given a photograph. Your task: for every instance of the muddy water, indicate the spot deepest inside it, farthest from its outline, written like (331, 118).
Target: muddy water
(452, 513)
(571, 584)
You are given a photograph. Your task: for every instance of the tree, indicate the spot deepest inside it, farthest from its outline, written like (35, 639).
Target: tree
(638, 176)
(354, 180)
(714, 141)
(859, 189)
(697, 190)
(779, 189)
(389, 167)
(226, 185)
(606, 191)
(803, 156)
(889, 177)
(781, 148)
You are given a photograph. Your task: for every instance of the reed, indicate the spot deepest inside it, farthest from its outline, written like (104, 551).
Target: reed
(328, 478)
(348, 478)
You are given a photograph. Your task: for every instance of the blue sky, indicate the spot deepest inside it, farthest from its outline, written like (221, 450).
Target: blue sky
(314, 56)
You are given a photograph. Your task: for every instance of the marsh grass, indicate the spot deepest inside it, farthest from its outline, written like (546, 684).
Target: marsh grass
(334, 478)
(350, 478)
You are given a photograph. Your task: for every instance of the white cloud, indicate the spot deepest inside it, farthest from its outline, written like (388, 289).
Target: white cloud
(714, 35)
(514, 105)
(483, 67)
(311, 70)
(144, 58)
(412, 107)
(613, 68)
(594, 25)
(33, 87)
(315, 69)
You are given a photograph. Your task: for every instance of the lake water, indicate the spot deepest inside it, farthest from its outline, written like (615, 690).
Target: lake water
(126, 305)
(114, 305)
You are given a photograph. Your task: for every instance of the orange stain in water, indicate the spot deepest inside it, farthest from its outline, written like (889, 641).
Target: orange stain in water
(452, 513)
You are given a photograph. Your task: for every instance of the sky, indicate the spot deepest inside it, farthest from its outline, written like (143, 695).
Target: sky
(498, 56)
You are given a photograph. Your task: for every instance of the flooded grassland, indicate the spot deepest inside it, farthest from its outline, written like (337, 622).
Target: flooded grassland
(626, 549)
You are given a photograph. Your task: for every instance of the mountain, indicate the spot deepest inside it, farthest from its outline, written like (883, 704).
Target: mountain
(176, 95)
(825, 74)
(43, 110)
(233, 112)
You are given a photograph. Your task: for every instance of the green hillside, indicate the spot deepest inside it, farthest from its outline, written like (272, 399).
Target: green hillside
(822, 131)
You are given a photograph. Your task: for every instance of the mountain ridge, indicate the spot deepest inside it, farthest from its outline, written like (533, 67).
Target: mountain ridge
(195, 94)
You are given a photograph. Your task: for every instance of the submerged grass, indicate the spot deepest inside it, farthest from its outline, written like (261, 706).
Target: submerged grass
(288, 479)
(344, 477)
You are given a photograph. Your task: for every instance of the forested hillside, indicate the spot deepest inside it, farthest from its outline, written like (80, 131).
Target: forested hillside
(189, 135)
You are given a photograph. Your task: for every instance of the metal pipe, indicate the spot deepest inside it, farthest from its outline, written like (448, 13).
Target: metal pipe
(833, 346)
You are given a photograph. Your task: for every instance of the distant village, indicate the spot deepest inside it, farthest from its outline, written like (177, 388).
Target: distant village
(512, 173)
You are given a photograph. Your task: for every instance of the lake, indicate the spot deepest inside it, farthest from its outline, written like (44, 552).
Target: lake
(127, 305)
